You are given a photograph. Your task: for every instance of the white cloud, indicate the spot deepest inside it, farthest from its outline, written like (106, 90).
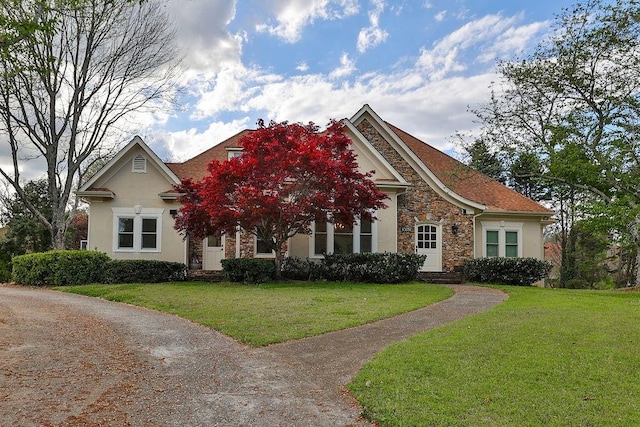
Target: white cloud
(428, 99)
(201, 30)
(346, 68)
(229, 90)
(428, 110)
(491, 35)
(184, 144)
(440, 16)
(293, 15)
(373, 35)
(515, 40)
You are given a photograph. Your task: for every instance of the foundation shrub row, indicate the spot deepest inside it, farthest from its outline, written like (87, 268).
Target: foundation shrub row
(59, 268)
(506, 271)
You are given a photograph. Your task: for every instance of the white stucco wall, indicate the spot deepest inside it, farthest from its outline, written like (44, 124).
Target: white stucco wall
(531, 236)
(134, 190)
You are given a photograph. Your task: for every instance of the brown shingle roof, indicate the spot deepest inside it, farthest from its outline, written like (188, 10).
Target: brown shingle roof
(468, 182)
(458, 177)
(196, 167)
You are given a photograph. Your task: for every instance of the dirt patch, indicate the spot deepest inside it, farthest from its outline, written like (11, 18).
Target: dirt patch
(63, 368)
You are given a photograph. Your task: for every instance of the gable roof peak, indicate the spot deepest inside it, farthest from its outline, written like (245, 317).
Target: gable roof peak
(136, 141)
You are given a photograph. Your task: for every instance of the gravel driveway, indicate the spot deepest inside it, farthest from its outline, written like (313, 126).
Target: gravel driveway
(72, 360)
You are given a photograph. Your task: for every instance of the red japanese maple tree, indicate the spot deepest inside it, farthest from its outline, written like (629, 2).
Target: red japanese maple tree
(287, 176)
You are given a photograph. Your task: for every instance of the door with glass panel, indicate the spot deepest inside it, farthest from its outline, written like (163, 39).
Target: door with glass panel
(213, 252)
(428, 242)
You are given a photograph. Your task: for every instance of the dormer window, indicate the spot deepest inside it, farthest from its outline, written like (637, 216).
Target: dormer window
(233, 152)
(139, 164)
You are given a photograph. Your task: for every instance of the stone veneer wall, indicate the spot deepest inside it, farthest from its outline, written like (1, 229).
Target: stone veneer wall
(420, 203)
(246, 247)
(195, 248)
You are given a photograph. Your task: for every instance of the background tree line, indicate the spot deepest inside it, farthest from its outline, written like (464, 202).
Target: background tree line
(562, 126)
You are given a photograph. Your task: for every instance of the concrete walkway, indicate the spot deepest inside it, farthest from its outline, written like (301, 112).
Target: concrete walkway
(72, 360)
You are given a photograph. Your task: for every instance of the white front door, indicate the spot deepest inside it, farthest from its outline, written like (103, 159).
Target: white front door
(428, 242)
(213, 252)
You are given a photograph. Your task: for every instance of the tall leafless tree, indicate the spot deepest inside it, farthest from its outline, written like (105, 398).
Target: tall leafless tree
(68, 90)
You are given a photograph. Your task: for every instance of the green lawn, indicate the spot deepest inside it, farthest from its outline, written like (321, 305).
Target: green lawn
(544, 357)
(270, 313)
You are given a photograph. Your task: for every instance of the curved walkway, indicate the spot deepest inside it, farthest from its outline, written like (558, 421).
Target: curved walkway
(71, 360)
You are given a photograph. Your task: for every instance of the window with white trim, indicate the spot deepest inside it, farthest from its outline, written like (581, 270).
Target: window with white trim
(493, 243)
(502, 239)
(511, 244)
(231, 153)
(320, 238)
(125, 232)
(366, 236)
(137, 229)
(341, 238)
(261, 249)
(149, 233)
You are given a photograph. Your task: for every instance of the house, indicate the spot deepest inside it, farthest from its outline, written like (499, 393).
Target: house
(437, 206)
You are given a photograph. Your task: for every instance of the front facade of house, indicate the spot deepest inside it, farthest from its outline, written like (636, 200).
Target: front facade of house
(436, 206)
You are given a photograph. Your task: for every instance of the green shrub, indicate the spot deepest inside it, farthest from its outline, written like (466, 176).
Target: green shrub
(249, 270)
(506, 271)
(298, 269)
(143, 271)
(371, 267)
(57, 268)
(5, 267)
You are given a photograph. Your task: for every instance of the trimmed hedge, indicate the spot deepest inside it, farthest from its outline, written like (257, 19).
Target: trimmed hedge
(143, 271)
(506, 271)
(57, 268)
(249, 270)
(371, 267)
(295, 268)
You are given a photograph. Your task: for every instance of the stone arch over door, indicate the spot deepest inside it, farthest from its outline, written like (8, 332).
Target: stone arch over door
(428, 241)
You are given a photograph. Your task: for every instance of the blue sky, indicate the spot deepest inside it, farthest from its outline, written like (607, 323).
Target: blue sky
(419, 64)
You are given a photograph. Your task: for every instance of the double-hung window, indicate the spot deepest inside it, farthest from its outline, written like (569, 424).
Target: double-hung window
(511, 244)
(137, 229)
(261, 249)
(341, 238)
(502, 239)
(125, 232)
(149, 233)
(493, 243)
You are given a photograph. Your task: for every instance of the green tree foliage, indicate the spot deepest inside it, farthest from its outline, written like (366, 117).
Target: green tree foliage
(71, 73)
(589, 251)
(25, 232)
(574, 103)
(526, 176)
(482, 159)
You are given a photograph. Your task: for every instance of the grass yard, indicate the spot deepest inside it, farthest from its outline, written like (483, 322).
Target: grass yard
(259, 315)
(544, 357)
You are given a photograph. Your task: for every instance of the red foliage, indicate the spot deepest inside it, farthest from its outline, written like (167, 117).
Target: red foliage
(287, 176)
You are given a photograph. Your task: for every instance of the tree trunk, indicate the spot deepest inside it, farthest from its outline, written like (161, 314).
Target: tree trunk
(637, 264)
(278, 262)
(58, 232)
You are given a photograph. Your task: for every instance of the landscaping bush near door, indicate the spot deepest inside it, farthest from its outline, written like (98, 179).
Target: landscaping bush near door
(371, 267)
